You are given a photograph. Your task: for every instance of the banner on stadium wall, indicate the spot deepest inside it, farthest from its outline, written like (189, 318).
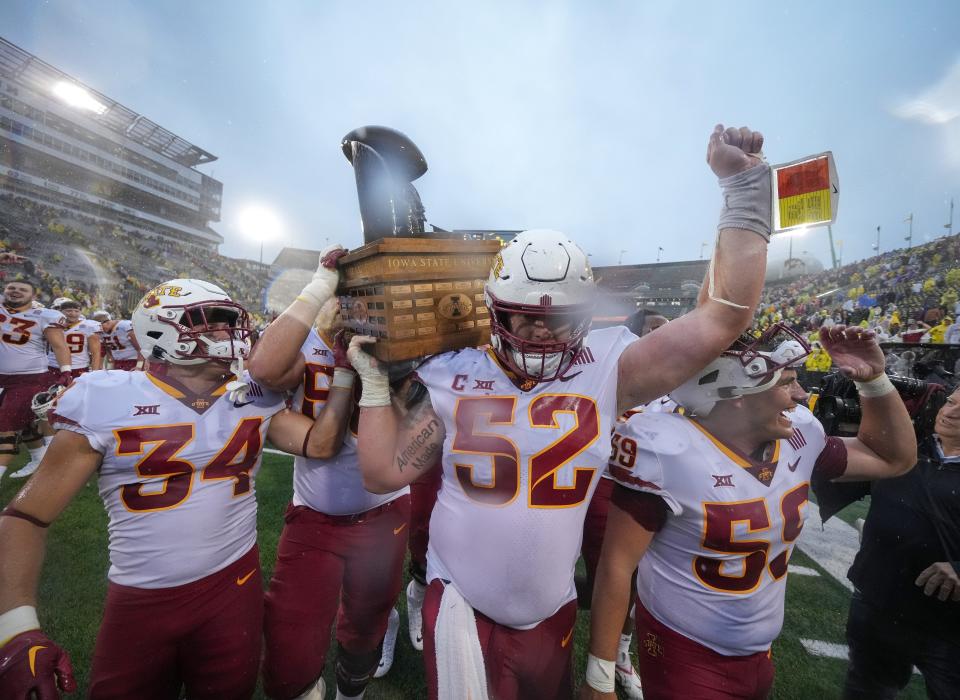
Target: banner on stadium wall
(805, 193)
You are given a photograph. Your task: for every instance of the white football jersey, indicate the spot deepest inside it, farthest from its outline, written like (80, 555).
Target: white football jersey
(178, 471)
(117, 341)
(23, 348)
(332, 486)
(519, 469)
(662, 405)
(716, 571)
(77, 342)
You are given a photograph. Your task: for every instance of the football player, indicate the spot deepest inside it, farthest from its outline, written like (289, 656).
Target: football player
(120, 344)
(711, 503)
(176, 450)
(83, 341)
(641, 323)
(25, 334)
(342, 548)
(524, 433)
(84, 347)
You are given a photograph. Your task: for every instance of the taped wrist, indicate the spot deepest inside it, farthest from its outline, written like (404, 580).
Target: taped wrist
(343, 378)
(375, 390)
(747, 201)
(17, 621)
(321, 287)
(600, 674)
(879, 386)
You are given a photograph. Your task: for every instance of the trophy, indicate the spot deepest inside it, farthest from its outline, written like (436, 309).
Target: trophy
(418, 293)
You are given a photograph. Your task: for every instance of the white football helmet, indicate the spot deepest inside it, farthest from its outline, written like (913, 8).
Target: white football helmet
(58, 301)
(177, 322)
(742, 369)
(45, 400)
(545, 275)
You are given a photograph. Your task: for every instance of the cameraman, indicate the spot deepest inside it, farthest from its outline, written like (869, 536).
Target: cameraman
(905, 610)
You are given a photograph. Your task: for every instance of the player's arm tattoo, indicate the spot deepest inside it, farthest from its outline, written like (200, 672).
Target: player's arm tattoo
(421, 435)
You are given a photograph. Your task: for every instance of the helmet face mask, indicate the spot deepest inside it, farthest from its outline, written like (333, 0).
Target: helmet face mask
(538, 360)
(201, 323)
(45, 400)
(540, 295)
(172, 327)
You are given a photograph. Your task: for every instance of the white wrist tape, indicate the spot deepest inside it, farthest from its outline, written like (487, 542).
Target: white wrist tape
(880, 386)
(373, 378)
(343, 378)
(600, 674)
(747, 201)
(375, 391)
(16, 621)
(65, 368)
(322, 286)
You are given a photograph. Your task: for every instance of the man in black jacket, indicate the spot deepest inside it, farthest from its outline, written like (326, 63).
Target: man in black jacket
(906, 608)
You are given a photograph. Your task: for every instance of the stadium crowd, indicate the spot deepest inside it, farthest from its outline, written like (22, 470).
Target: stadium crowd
(106, 266)
(551, 428)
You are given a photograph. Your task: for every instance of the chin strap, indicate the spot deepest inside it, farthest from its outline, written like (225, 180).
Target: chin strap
(238, 388)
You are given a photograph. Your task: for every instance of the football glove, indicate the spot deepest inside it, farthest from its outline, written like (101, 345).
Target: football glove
(32, 666)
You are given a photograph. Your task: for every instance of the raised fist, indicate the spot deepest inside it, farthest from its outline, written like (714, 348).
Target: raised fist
(32, 666)
(731, 151)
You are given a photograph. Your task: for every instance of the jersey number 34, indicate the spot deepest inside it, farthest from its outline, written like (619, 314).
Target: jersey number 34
(235, 461)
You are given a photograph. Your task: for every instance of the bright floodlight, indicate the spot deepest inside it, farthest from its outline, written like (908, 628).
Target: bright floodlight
(77, 97)
(259, 223)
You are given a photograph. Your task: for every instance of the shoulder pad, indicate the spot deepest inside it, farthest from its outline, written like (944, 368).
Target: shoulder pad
(663, 433)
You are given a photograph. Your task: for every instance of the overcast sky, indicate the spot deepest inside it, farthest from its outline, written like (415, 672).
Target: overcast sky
(588, 117)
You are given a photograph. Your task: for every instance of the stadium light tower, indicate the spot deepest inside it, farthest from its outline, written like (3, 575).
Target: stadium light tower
(801, 231)
(259, 223)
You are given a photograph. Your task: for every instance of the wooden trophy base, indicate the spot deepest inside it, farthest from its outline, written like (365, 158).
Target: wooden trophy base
(417, 296)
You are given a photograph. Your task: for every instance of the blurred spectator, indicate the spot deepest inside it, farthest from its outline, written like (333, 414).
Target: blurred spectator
(905, 610)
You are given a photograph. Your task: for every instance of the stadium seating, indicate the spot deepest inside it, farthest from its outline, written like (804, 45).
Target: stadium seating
(108, 266)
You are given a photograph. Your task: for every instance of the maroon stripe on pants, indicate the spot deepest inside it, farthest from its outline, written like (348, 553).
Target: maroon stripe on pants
(520, 664)
(205, 635)
(674, 666)
(328, 566)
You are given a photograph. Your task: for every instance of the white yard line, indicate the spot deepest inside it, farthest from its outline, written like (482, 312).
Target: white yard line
(798, 570)
(832, 546)
(271, 451)
(829, 650)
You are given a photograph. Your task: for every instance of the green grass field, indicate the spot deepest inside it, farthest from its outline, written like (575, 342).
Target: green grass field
(74, 584)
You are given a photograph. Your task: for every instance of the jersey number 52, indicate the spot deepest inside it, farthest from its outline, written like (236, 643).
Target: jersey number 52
(543, 489)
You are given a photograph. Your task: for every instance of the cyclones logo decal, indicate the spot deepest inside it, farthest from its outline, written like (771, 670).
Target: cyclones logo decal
(153, 296)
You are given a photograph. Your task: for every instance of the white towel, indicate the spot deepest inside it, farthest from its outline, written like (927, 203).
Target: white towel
(461, 674)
